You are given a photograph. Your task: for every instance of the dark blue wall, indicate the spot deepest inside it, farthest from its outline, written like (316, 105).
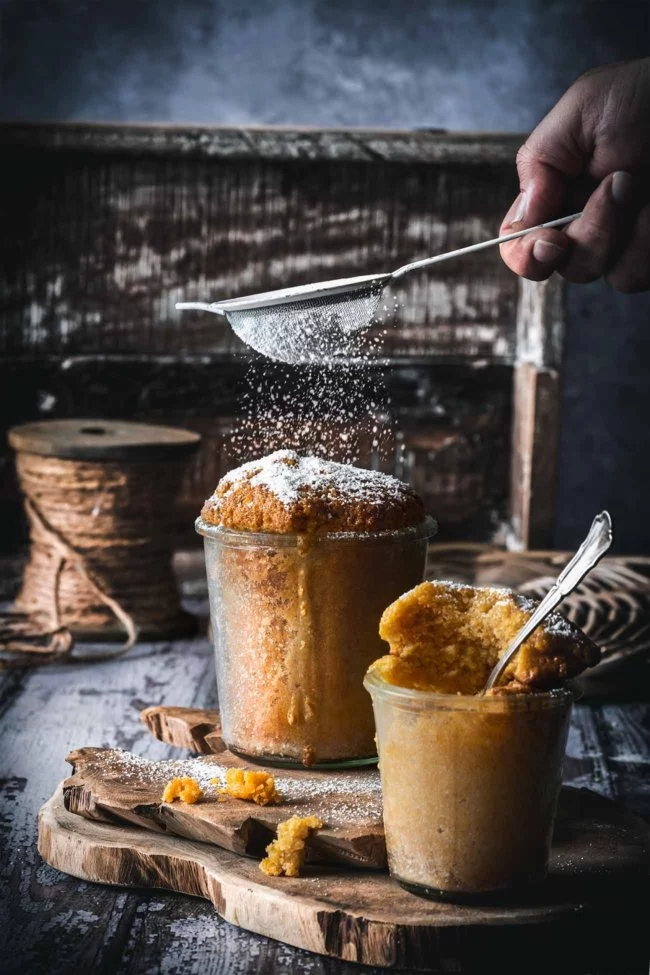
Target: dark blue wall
(485, 64)
(461, 64)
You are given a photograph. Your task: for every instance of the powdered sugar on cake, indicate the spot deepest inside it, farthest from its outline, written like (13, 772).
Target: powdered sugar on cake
(286, 493)
(287, 476)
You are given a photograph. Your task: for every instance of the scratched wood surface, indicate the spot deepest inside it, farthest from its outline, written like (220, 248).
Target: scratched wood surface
(595, 886)
(53, 924)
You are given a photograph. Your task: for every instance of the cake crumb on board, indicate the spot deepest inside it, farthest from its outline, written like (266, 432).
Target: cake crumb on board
(186, 789)
(250, 786)
(286, 854)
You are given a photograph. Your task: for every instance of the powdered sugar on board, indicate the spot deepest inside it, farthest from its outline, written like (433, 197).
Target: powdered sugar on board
(350, 798)
(288, 476)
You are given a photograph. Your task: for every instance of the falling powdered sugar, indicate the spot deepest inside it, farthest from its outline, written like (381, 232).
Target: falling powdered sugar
(333, 406)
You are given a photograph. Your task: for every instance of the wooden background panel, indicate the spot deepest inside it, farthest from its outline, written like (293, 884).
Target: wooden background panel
(105, 227)
(101, 248)
(267, 142)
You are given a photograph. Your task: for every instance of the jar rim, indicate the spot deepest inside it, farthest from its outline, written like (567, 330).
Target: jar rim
(424, 530)
(412, 698)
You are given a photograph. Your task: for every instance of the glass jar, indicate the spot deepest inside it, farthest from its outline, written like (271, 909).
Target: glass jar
(295, 623)
(470, 786)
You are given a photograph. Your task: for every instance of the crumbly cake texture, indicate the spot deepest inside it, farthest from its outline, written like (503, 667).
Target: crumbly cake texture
(286, 493)
(186, 789)
(286, 854)
(249, 785)
(447, 637)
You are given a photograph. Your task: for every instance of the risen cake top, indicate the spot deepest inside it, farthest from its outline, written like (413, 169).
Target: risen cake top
(447, 637)
(287, 493)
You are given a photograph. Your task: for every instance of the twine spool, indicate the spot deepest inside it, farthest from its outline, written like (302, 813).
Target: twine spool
(100, 501)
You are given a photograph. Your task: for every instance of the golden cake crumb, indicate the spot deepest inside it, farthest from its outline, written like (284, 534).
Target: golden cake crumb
(447, 637)
(186, 789)
(256, 787)
(286, 854)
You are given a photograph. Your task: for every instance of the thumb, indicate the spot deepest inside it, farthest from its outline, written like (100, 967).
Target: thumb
(542, 198)
(542, 194)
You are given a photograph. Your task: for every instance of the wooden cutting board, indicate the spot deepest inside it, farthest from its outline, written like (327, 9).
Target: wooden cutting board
(113, 786)
(594, 896)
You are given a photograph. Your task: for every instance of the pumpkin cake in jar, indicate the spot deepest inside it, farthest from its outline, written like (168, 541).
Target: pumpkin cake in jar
(470, 780)
(302, 556)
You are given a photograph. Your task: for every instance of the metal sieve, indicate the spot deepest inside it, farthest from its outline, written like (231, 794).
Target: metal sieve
(322, 321)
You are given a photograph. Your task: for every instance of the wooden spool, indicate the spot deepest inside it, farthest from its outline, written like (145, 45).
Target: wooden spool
(100, 500)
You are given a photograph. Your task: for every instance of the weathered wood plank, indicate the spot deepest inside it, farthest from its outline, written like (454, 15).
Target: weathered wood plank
(108, 785)
(269, 142)
(536, 420)
(165, 230)
(609, 747)
(540, 322)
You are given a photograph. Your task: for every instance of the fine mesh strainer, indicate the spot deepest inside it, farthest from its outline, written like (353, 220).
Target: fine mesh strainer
(320, 322)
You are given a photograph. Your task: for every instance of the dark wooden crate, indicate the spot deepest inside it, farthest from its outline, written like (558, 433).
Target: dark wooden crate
(105, 227)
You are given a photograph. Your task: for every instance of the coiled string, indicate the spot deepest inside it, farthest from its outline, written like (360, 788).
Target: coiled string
(102, 536)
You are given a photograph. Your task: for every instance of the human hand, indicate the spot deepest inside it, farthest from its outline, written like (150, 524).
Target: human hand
(590, 153)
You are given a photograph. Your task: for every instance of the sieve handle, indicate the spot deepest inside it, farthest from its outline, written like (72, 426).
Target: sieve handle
(427, 261)
(198, 306)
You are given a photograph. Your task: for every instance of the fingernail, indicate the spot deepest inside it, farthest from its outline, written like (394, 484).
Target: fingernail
(621, 185)
(520, 213)
(545, 252)
(517, 211)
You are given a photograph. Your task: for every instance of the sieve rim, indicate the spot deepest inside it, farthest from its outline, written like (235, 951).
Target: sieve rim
(300, 292)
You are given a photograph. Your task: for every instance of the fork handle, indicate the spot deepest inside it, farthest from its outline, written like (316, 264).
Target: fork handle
(597, 542)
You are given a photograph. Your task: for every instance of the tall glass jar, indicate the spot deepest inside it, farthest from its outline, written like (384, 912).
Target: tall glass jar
(470, 785)
(295, 625)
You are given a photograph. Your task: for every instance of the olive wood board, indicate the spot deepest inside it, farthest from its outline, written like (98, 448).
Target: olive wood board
(594, 890)
(112, 786)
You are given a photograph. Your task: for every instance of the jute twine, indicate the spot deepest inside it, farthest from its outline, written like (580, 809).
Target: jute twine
(102, 536)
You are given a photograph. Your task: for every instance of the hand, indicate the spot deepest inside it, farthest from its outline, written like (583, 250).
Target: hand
(590, 153)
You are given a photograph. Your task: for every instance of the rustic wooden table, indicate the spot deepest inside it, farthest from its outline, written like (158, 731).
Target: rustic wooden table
(53, 923)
